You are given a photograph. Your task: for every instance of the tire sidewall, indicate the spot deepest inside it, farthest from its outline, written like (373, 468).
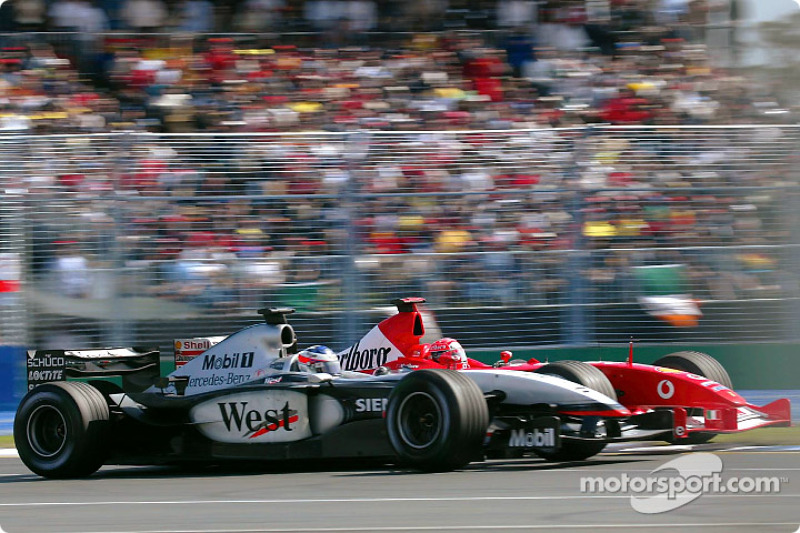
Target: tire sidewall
(72, 420)
(581, 373)
(698, 363)
(84, 421)
(462, 424)
(438, 448)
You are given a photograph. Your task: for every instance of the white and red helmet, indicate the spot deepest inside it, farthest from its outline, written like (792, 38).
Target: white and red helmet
(450, 353)
(319, 359)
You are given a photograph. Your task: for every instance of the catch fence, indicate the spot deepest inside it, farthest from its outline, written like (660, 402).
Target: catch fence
(520, 238)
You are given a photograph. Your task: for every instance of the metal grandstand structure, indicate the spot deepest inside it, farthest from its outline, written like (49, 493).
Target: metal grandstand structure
(516, 238)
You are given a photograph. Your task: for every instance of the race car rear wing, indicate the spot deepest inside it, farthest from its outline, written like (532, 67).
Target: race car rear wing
(138, 367)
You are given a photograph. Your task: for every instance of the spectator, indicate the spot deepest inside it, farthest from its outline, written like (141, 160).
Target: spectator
(260, 15)
(198, 16)
(143, 15)
(70, 272)
(30, 15)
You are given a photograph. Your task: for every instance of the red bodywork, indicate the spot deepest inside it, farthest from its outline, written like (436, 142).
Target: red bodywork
(706, 405)
(698, 404)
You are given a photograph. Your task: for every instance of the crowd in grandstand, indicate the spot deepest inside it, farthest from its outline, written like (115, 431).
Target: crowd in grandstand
(572, 67)
(228, 230)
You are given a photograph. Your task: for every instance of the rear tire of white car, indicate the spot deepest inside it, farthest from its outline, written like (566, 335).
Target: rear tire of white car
(582, 374)
(61, 429)
(437, 420)
(702, 365)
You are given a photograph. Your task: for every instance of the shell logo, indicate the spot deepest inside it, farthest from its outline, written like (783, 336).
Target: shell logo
(178, 345)
(668, 370)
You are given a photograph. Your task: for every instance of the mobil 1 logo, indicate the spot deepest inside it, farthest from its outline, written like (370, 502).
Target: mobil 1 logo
(541, 434)
(44, 366)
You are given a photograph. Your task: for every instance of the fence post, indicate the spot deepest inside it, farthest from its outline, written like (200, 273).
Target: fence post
(575, 329)
(791, 260)
(357, 149)
(120, 330)
(13, 246)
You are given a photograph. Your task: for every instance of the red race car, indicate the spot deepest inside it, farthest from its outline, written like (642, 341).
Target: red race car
(692, 386)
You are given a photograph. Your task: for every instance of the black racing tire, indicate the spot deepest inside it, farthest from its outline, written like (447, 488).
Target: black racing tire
(61, 429)
(591, 378)
(697, 363)
(573, 450)
(436, 420)
(581, 373)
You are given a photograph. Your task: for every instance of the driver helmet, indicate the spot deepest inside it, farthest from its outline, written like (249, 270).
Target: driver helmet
(319, 358)
(456, 356)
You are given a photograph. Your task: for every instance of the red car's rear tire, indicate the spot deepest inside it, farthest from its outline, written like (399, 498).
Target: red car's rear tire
(697, 363)
(581, 373)
(702, 365)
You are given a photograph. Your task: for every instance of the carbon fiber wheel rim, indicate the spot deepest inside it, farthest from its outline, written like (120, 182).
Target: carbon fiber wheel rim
(47, 431)
(419, 420)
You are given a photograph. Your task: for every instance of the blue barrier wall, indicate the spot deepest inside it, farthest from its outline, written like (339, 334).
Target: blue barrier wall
(12, 376)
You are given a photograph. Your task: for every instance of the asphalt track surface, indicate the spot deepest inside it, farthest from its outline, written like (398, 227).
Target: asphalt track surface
(502, 495)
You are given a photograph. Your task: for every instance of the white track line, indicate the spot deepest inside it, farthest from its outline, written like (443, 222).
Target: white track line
(306, 501)
(492, 527)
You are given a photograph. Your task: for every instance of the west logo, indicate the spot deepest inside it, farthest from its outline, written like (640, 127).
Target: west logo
(236, 416)
(532, 439)
(365, 359)
(220, 362)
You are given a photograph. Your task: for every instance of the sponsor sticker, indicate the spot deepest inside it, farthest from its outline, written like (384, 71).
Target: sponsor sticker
(224, 361)
(188, 349)
(364, 359)
(371, 405)
(541, 433)
(277, 416)
(665, 389)
(44, 366)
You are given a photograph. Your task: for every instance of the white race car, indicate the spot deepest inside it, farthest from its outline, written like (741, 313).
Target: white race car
(254, 396)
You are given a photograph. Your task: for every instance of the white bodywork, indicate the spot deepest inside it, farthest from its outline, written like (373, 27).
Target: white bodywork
(525, 388)
(242, 357)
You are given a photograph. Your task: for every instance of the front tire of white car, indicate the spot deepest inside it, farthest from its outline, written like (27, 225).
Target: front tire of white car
(61, 429)
(437, 420)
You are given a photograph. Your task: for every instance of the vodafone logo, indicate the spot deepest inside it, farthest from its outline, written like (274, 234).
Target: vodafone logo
(665, 389)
